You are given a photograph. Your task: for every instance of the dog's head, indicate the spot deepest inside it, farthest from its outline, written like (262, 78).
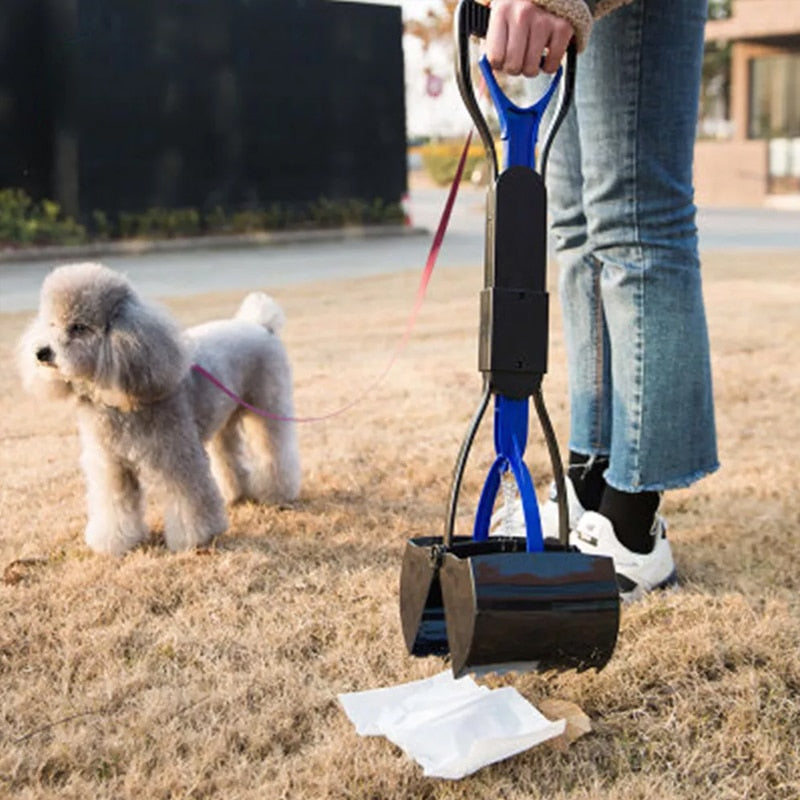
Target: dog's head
(96, 339)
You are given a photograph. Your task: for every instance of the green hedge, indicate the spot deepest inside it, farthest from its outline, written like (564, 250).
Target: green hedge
(23, 222)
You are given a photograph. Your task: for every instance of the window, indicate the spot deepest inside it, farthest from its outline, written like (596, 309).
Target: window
(774, 97)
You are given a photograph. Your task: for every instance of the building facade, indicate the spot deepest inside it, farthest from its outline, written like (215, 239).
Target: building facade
(755, 159)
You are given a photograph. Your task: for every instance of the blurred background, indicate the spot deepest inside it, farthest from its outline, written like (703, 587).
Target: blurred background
(748, 138)
(169, 118)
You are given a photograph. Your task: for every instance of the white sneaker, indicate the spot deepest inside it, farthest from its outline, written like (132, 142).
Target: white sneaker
(549, 510)
(637, 573)
(509, 520)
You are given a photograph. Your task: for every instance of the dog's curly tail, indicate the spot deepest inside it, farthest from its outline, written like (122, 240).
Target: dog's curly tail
(262, 309)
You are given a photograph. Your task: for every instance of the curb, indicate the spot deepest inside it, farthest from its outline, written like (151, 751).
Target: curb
(135, 247)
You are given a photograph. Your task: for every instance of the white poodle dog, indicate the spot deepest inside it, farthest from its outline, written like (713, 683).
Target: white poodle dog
(144, 414)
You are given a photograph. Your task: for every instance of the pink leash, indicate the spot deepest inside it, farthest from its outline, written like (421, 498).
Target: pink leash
(433, 254)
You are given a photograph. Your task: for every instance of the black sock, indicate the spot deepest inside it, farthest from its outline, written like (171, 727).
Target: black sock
(586, 474)
(632, 516)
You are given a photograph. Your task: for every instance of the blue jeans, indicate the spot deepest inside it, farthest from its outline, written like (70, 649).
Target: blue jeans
(621, 201)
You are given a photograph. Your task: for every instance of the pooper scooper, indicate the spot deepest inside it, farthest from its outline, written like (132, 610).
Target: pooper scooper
(501, 603)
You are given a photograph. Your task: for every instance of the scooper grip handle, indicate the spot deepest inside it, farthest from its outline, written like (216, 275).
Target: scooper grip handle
(472, 19)
(519, 127)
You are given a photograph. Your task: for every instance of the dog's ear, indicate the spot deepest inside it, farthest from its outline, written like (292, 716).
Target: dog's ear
(141, 357)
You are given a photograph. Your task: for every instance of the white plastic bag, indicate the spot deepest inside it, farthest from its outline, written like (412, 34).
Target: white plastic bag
(451, 727)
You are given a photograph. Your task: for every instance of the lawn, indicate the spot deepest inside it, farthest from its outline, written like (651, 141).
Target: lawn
(215, 674)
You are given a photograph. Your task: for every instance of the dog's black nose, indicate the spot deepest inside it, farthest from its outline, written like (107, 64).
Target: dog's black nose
(45, 355)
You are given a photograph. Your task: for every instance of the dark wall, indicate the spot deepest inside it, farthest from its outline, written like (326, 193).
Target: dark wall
(25, 98)
(236, 103)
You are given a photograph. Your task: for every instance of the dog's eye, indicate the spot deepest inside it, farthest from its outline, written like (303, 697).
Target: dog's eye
(78, 329)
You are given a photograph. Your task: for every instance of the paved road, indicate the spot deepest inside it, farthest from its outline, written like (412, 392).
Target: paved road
(192, 272)
(720, 228)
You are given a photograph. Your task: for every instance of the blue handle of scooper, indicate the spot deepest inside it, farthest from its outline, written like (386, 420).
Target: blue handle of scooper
(519, 127)
(519, 130)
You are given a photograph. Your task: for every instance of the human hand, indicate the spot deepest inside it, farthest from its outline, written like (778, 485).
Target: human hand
(519, 33)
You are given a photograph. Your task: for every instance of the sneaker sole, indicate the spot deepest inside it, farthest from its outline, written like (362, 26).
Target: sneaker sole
(630, 590)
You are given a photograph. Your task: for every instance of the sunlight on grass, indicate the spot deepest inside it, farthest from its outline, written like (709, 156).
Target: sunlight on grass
(215, 674)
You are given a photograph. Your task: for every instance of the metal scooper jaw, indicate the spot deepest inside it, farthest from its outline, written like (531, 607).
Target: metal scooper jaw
(492, 607)
(496, 604)
(529, 611)
(521, 604)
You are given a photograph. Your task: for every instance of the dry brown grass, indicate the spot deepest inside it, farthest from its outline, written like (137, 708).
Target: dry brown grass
(216, 674)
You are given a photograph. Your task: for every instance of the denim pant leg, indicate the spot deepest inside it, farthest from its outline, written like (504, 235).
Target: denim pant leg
(585, 331)
(621, 198)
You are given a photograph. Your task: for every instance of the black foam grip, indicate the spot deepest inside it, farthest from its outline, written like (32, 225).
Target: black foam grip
(514, 304)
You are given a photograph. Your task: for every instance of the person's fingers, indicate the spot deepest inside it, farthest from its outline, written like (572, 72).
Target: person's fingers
(496, 39)
(522, 35)
(560, 37)
(523, 38)
(537, 41)
(531, 25)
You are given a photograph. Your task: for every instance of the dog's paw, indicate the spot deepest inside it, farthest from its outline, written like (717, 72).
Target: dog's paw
(185, 528)
(114, 539)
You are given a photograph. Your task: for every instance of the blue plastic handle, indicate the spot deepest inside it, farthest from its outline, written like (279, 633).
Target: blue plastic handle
(510, 437)
(519, 127)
